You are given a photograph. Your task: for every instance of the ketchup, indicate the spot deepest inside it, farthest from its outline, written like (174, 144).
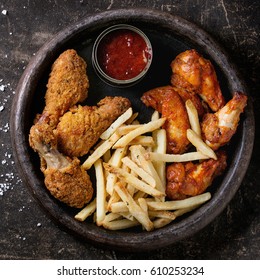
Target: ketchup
(123, 54)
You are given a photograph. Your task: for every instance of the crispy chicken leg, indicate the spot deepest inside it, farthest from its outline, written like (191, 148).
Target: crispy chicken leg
(67, 85)
(217, 129)
(64, 178)
(80, 128)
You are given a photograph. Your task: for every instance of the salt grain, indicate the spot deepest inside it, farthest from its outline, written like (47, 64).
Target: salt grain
(4, 12)
(2, 87)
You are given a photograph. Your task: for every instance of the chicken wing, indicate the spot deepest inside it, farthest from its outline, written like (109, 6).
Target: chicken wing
(67, 85)
(80, 128)
(190, 179)
(66, 180)
(196, 74)
(217, 129)
(168, 102)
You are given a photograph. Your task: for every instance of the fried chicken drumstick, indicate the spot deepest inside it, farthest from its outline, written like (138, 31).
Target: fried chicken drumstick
(64, 177)
(80, 128)
(67, 85)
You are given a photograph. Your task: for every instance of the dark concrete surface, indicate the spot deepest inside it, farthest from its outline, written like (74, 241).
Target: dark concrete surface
(25, 230)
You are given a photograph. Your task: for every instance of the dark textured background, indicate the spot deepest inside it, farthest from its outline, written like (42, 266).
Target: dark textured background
(25, 231)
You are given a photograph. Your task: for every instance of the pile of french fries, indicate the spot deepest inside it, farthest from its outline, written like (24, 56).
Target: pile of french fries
(130, 173)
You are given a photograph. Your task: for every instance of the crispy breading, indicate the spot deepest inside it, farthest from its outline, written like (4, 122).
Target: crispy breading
(64, 177)
(70, 184)
(80, 128)
(67, 85)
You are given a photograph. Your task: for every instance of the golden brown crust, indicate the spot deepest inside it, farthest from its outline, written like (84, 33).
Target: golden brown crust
(67, 85)
(70, 185)
(80, 128)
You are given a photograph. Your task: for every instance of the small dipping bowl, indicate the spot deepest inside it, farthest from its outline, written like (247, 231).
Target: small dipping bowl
(122, 55)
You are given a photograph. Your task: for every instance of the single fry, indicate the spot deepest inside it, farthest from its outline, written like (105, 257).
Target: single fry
(183, 211)
(162, 214)
(119, 121)
(118, 207)
(114, 197)
(193, 117)
(139, 171)
(132, 180)
(146, 141)
(179, 204)
(115, 160)
(86, 211)
(155, 116)
(132, 118)
(111, 217)
(161, 222)
(139, 214)
(175, 158)
(148, 127)
(101, 192)
(100, 151)
(200, 145)
(143, 204)
(160, 147)
(120, 224)
(124, 129)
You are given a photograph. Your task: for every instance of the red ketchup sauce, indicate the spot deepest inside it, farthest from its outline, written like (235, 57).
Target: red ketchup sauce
(123, 54)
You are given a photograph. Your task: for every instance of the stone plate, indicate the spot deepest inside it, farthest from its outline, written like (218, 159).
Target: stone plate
(169, 36)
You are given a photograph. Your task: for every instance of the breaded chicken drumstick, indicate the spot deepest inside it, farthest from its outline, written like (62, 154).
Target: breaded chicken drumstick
(67, 85)
(64, 178)
(80, 128)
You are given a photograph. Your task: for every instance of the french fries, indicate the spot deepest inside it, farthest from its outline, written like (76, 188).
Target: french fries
(200, 145)
(193, 117)
(118, 122)
(101, 192)
(175, 158)
(130, 168)
(148, 127)
(86, 211)
(100, 151)
(129, 178)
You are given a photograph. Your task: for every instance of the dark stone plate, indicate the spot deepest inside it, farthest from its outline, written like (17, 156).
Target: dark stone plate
(169, 36)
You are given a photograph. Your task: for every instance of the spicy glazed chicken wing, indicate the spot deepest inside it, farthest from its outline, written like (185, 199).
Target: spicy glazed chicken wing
(168, 102)
(190, 179)
(67, 85)
(217, 129)
(80, 128)
(66, 180)
(196, 75)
